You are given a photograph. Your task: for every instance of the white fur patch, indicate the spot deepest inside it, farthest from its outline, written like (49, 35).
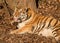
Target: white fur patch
(46, 32)
(20, 25)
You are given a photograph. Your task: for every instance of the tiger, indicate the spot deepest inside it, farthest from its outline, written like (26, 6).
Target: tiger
(31, 22)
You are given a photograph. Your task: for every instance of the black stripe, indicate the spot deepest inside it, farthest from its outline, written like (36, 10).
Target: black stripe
(42, 19)
(55, 34)
(38, 23)
(36, 27)
(56, 22)
(41, 28)
(56, 29)
(32, 28)
(45, 22)
(50, 22)
(42, 24)
(57, 26)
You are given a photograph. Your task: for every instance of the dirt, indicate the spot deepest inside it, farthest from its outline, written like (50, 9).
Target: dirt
(49, 7)
(45, 7)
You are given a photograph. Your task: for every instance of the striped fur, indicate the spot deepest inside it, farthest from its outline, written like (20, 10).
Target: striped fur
(37, 24)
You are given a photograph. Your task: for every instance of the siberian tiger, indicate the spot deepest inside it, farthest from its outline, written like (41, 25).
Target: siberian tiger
(31, 22)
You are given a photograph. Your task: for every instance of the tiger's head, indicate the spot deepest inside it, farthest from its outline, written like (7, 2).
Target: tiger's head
(22, 14)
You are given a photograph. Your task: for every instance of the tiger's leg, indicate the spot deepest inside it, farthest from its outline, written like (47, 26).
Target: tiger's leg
(22, 30)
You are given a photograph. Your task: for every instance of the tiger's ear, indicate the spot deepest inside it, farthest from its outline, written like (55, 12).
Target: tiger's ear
(30, 11)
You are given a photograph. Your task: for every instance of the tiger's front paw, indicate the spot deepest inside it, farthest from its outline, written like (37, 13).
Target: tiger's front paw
(14, 32)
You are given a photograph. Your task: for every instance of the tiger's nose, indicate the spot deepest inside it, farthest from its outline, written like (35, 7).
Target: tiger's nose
(19, 19)
(15, 23)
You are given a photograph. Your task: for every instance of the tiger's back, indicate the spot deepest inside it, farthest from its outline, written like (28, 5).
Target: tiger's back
(47, 26)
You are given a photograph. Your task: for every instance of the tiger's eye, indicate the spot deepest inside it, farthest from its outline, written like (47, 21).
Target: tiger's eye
(26, 10)
(1, 7)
